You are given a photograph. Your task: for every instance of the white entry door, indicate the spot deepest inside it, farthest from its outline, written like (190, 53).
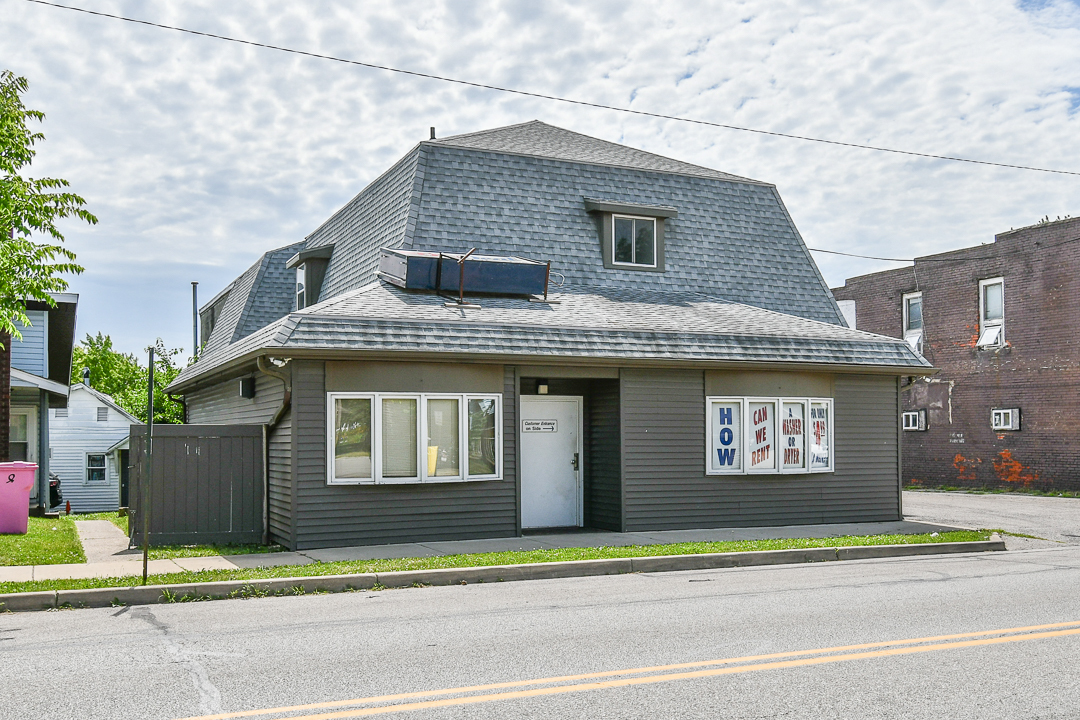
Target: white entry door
(551, 489)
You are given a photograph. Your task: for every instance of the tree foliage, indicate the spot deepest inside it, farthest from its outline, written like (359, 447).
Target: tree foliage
(29, 207)
(123, 376)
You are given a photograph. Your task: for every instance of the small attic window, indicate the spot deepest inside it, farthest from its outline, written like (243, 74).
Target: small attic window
(631, 234)
(301, 295)
(634, 241)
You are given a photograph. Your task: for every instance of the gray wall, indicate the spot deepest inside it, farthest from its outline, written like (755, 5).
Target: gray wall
(603, 489)
(340, 515)
(221, 404)
(665, 486)
(279, 482)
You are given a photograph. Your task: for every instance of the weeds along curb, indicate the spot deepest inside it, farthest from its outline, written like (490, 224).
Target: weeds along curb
(151, 594)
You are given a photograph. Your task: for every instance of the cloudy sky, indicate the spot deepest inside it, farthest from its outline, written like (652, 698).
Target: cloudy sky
(198, 154)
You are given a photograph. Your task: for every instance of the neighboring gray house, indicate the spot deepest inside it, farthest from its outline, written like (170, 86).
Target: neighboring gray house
(89, 453)
(692, 369)
(40, 375)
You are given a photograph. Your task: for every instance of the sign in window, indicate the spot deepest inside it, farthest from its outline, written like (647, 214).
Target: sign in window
(768, 435)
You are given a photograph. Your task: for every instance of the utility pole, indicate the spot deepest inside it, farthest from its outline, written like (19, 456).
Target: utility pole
(194, 319)
(144, 501)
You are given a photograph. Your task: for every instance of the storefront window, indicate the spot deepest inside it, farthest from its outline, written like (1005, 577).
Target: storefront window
(761, 443)
(482, 436)
(375, 438)
(820, 435)
(352, 438)
(726, 456)
(443, 444)
(793, 435)
(768, 435)
(399, 438)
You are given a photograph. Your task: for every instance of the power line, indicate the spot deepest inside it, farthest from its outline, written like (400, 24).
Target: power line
(555, 98)
(937, 259)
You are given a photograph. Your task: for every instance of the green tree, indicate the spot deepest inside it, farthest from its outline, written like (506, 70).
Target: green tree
(122, 376)
(29, 208)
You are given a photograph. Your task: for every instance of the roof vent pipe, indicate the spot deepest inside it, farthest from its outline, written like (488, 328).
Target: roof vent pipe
(86, 376)
(432, 133)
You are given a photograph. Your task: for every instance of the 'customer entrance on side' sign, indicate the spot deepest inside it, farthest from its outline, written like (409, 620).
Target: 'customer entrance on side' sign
(539, 426)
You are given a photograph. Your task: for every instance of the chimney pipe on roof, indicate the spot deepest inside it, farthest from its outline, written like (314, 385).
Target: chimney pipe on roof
(432, 133)
(86, 376)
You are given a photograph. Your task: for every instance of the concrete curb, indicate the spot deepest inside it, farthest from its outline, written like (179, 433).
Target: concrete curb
(151, 594)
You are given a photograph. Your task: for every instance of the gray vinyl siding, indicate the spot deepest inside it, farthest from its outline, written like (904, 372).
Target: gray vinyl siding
(30, 354)
(279, 469)
(221, 404)
(603, 489)
(665, 486)
(342, 515)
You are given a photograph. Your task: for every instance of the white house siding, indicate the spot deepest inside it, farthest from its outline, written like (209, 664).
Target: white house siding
(31, 352)
(77, 435)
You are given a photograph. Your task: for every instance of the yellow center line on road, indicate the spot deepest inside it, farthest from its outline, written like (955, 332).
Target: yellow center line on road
(822, 655)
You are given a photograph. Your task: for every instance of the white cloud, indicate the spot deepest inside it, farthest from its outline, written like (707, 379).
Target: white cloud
(199, 154)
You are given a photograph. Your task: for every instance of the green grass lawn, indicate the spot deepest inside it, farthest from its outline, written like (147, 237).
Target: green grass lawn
(168, 552)
(55, 541)
(498, 558)
(46, 542)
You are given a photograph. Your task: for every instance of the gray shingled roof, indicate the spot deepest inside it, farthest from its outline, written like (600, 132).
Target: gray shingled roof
(520, 190)
(260, 296)
(588, 323)
(547, 141)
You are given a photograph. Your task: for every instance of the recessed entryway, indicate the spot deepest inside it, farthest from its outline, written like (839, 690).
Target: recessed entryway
(551, 461)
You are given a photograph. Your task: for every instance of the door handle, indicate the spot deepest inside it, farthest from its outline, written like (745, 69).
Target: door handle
(574, 462)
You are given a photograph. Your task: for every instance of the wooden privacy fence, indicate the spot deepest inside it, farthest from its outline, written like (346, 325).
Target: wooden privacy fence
(207, 486)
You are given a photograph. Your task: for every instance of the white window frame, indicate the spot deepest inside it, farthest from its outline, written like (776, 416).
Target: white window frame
(616, 216)
(301, 286)
(805, 402)
(744, 434)
(998, 422)
(740, 446)
(421, 438)
(913, 420)
(913, 337)
(747, 425)
(104, 469)
(987, 327)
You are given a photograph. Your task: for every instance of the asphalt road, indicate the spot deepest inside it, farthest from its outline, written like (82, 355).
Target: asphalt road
(199, 659)
(1056, 520)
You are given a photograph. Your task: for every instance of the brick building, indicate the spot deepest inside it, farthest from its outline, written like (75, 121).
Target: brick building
(1002, 323)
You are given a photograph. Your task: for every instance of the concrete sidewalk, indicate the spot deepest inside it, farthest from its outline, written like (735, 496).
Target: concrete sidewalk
(129, 562)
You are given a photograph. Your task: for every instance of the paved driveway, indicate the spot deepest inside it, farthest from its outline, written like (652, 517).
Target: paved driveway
(1054, 518)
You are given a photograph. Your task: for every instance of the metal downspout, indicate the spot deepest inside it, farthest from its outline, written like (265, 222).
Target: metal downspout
(286, 401)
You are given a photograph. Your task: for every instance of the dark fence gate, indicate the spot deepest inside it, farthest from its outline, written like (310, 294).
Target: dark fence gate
(208, 484)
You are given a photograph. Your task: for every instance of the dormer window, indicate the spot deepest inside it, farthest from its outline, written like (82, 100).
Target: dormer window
(301, 293)
(310, 268)
(631, 234)
(634, 241)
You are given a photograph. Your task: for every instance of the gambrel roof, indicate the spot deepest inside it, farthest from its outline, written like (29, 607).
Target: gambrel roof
(733, 258)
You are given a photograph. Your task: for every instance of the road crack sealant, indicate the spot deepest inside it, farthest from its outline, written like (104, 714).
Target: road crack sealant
(209, 695)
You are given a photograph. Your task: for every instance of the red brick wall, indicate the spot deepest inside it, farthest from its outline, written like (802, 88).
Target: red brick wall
(1038, 370)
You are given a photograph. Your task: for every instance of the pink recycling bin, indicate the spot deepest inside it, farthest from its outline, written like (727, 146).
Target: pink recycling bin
(16, 481)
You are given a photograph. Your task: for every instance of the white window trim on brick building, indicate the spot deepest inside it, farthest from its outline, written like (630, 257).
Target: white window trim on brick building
(1005, 419)
(913, 334)
(914, 420)
(991, 329)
